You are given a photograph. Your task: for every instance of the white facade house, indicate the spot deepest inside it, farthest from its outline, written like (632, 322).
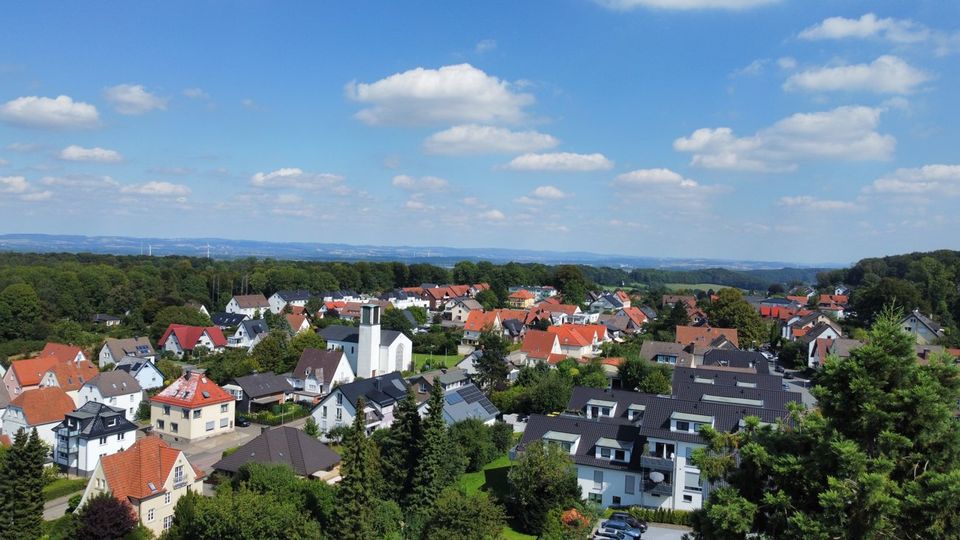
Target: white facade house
(89, 433)
(144, 371)
(370, 350)
(248, 334)
(42, 409)
(118, 389)
(809, 341)
(115, 350)
(380, 395)
(251, 305)
(281, 299)
(318, 371)
(180, 339)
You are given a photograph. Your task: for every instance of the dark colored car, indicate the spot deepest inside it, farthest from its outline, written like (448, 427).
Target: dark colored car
(778, 369)
(242, 422)
(622, 526)
(630, 520)
(788, 375)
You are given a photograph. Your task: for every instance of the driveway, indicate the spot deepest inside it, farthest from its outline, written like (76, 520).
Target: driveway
(665, 532)
(56, 508)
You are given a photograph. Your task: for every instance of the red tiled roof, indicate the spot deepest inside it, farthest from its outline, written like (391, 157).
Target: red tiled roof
(703, 335)
(298, 310)
(29, 371)
(149, 461)
(622, 296)
(833, 299)
(63, 353)
(522, 294)
(5, 440)
(44, 405)
(579, 335)
(635, 314)
(188, 391)
(458, 290)
(538, 344)
(477, 320)
(189, 335)
(295, 321)
(71, 376)
(674, 298)
(569, 309)
(549, 300)
(802, 300)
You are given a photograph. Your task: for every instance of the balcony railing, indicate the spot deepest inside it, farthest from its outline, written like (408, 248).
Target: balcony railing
(656, 462)
(662, 488)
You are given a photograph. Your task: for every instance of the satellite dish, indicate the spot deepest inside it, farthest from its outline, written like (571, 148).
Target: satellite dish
(656, 477)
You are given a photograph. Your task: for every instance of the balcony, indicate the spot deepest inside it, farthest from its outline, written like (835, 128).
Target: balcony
(656, 462)
(663, 488)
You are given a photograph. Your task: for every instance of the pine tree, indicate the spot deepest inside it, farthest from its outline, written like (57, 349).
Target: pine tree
(21, 487)
(430, 475)
(354, 514)
(399, 452)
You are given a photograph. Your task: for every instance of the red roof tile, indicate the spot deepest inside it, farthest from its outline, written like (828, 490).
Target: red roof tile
(188, 391)
(29, 371)
(295, 321)
(63, 353)
(568, 309)
(71, 376)
(703, 335)
(539, 344)
(44, 405)
(149, 461)
(478, 321)
(522, 294)
(189, 335)
(635, 314)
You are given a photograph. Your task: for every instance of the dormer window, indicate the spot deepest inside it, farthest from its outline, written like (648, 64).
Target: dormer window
(597, 408)
(567, 441)
(635, 412)
(613, 449)
(688, 422)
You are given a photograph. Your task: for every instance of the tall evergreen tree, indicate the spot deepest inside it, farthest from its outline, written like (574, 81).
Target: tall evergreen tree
(430, 476)
(400, 450)
(353, 518)
(492, 369)
(21, 487)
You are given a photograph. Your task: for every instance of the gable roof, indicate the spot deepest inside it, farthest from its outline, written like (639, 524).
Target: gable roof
(467, 402)
(43, 405)
(249, 301)
(575, 335)
(318, 360)
(133, 365)
(539, 344)
(136, 346)
(71, 376)
(29, 371)
(635, 314)
(254, 327)
(188, 336)
(522, 294)
(263, 384)
(651, 349)
(381, 390)
(228, 319)
(63, 353)
(736, 359)
(670, 299)
(704, 335)
(589, 432)
(549, 307)
(478, 321)
(115, 383)
(295, 321)
(283, 445)
(926, 321)
(193, 389)
(130, 473)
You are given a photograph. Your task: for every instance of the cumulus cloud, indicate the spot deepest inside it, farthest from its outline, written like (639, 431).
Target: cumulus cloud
(493, 215)
(157, 189)
(81, 181)
(787, 62)
(451, 94)
(559, 162)
(13, 184)
(196, 93)
(61, 112)
(79, 153)
(942, 180)
(295, 178)
(133, 99)
(896, 31)
(549, 192)
(807, 202)
(624, 5)
(885, 75)
(477, 139)
(844, 133)
(666, 189)
(424, 183)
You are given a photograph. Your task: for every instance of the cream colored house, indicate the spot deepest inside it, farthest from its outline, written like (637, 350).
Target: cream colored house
(193, 407)
(151, 476)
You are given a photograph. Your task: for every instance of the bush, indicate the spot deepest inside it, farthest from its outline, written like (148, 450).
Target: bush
(502, 436)
(74, 503)
(229, 451)
(662, 515)
(279, 413)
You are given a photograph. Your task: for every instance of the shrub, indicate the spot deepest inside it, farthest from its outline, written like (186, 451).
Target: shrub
(662, 515)
(73, 503)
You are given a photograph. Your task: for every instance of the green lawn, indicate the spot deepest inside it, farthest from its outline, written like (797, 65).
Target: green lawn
(493, 479)
(437, 361)
(63, 486)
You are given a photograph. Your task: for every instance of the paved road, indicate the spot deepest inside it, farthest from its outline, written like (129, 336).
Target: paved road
(57, 507)
(664, 532)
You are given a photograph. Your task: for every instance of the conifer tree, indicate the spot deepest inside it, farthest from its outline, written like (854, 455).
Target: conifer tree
(353, 518)
(399, 452)
(431, 474)
(21, 487)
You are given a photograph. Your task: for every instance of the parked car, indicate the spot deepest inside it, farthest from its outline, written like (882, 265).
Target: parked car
(621, 526)
(788, 375)
(778, 369)
(767, 354)
(242, 422)
(785, 386)
(630, 520)
(610, 534)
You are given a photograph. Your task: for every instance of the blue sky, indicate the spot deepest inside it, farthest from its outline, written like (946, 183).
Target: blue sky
(808, 131)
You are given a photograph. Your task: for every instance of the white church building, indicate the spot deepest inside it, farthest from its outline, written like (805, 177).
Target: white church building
(371, 351)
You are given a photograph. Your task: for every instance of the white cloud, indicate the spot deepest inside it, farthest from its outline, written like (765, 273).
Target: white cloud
(844, 133)
(61, 112)
(807, 202)
(196, 93)
(289, 198)
(943, 180)
(133, 99)
(493, 215)
(157, 189)
(37, 196)
(485, 45)
(549, 192)
(665, 189)
(624, 5)
(295, 178)
(753, 68)
(85, 182)
(893, 30)
(23, 147)
(559, 161)
(477, 139)
(424, 183)
(885, 75)
(787, 62)
(13, 184)
(416, 204)
(450, 94)
(79, 153)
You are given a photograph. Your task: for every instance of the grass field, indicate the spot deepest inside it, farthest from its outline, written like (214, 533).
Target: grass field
(493, 479)
(694, 286)
(63, 486)
(438, 361)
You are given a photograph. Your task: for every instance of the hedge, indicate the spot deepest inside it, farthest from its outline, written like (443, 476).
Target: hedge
(662, 515)
(63, 486)
(273, 416)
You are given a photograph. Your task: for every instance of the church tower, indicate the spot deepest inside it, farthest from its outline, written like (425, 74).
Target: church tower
(368, 346)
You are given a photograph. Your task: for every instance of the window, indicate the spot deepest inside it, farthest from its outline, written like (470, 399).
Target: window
(605, 411)
(688, 498)
(339, 414)
(339, 399)
(323, 412)
(167, 497)
(595, 497)
(224, 422)
(423, 387)
(150, 515)
(120, 436)
(166, 410)
(688, 452)
(225, 407)
(178, 475)
(683, 426)
(210, 425)
(159, 424)
(691, 482)
(186, 412)
(605, 453)
(629, 483)
(103, 440)
(619, 455)
(597, 479)
(167, 522)
(174, 427)
(196, 413)
(616, 500)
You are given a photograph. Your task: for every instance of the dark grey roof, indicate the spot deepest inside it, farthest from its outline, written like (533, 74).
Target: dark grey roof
(737, 359)
(284, 445)
(227, 319)
(138, 346)
(928, 322)
(726, 418)
(815, 332)
(351, 334)
(467, 402)
(649, 312)
(408, 315)
(589, 431)
(103, 317)
(263, 384)
(115, 383)
(772, 399)
(318, 360)
(254, 327)
(292, 296)
(94, 419)
(777, 301)
(382, 390)
(726, 378)
(513, 326)
(132, 364)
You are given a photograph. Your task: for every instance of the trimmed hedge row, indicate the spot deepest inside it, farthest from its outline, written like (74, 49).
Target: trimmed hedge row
(662, 515)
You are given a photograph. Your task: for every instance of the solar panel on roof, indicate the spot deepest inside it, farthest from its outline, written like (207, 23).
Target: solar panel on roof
(454, 398)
